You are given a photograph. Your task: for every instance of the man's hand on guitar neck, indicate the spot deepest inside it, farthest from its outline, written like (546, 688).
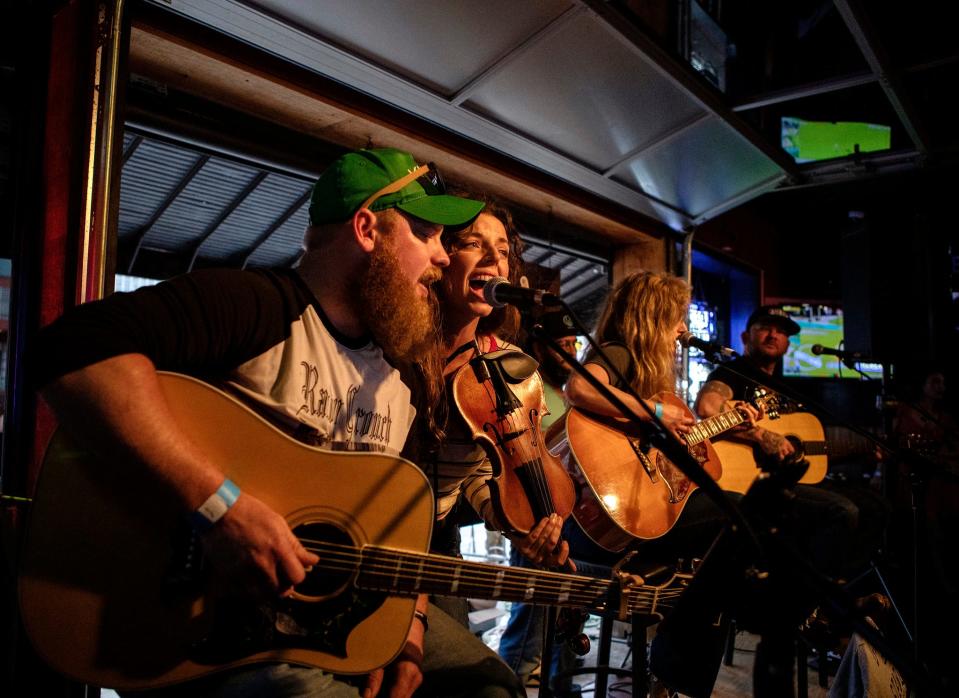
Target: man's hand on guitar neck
(715, 397)
(254, 549)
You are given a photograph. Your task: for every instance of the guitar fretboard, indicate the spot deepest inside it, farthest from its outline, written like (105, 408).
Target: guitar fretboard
(713, 426)
(395, 571)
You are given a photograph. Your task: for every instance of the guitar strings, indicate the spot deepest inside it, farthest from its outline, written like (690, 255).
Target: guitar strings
(516, 581)
(703, 429)
(407, 567)
(532, 460)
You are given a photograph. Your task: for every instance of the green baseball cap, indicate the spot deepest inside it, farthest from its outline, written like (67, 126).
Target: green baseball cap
(382, 178)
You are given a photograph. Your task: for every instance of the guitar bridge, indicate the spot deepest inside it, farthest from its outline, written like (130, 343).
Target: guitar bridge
(641, 450)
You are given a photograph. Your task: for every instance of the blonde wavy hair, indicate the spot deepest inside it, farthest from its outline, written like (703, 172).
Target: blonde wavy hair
(641, 313)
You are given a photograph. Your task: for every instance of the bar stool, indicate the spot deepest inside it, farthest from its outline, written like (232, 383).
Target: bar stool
(638, 646)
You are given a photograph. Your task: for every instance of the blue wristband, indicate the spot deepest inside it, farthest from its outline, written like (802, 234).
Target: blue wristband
(215, 507)
(658, 411)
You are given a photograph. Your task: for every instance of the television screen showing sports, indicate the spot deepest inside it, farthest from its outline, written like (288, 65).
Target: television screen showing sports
(823, 325)
(809, 141)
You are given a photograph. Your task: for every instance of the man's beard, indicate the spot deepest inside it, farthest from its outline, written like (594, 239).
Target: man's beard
(402, 323)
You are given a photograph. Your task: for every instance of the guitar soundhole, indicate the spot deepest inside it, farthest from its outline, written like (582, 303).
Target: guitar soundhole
(339, 559)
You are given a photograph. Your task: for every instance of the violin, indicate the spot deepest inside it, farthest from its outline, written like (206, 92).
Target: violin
(500, 396)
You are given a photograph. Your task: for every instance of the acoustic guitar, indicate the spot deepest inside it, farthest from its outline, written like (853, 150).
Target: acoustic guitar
(741, 459)
(113, 590)
(628, 489)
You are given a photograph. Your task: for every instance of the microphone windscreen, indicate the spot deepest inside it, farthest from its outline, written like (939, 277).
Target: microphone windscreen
(489, 291)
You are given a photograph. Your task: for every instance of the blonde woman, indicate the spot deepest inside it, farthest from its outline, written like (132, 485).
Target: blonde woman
(644, 316)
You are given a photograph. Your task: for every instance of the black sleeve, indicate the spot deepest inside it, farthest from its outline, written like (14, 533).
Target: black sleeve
(619, 358)
(202, 323)
(740, 386)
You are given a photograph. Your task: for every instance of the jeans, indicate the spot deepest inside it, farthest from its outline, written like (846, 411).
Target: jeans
(456, 664)
(521, 644)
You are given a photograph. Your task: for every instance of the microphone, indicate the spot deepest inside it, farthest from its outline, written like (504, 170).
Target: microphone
(688, 339)
(844, 356)
(499, 292)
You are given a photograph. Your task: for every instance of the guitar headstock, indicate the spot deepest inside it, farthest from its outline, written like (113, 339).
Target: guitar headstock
(652, 601)
(765, 399)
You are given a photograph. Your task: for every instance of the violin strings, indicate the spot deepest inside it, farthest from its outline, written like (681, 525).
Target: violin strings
(532, 460)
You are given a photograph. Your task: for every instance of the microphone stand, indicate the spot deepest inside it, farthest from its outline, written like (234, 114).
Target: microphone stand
(658, 436)
(679, 454)
(652, 429)
(920, 468)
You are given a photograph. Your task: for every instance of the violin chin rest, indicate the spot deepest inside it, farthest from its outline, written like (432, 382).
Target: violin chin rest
(516, 365)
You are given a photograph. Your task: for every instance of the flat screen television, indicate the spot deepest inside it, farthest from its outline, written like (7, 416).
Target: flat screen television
(810, 141)
(819, 324)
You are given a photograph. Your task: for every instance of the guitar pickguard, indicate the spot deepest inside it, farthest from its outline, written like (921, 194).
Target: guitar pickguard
(677, 483)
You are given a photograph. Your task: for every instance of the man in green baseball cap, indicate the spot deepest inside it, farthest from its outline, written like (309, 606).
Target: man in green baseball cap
(319, 351)
(375, 222)
(384, 178)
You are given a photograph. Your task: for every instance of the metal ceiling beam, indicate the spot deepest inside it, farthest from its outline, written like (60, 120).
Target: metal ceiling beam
(812, 89)
(872, 50)
(586, 289)
(142, 231)
(222, 216)
(685, 78)
(859, 167)
(572, 251)
(517, 51)
(591, 281)
(246, 254)
(130, 149)
(741, 197)
(543, 257)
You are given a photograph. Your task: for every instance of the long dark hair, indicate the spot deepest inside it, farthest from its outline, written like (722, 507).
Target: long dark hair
(504, 322)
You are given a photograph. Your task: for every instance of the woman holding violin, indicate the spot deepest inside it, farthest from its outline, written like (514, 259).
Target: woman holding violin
(493, 400)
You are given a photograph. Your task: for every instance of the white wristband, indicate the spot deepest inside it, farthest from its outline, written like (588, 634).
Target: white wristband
(215, 507)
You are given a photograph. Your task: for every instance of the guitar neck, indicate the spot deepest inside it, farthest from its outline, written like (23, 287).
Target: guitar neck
(714, 426)
(398, 572)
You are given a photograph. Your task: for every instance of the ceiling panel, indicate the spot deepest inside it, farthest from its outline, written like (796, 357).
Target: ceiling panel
(146, 185)
(285, 244)
(585, 93)
(273, 34)
(264, 213)
(200, 202)
(255, 216)
(708, 166)
(603, 95)
(438, 46)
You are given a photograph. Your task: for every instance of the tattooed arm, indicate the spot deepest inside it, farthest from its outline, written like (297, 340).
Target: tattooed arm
(715, 396)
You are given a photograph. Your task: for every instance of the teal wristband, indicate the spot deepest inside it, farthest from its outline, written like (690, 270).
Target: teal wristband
(658, 411)
(215, 507)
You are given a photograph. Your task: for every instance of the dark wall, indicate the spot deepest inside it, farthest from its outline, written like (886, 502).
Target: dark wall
(883, 248)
